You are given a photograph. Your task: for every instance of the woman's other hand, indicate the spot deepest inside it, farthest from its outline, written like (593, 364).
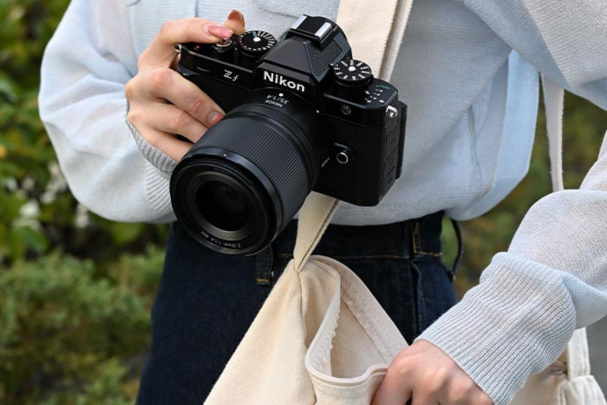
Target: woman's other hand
(423, 374)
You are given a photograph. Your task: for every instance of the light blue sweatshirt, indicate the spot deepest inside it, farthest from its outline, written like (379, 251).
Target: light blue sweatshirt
(468, 69)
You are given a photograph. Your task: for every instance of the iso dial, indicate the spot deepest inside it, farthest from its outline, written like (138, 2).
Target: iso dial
(352, 73)
(255, 43)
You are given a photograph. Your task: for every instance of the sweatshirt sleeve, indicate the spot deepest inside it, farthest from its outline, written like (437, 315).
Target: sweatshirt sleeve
(553, 279)
(85, 68)
(566, 40)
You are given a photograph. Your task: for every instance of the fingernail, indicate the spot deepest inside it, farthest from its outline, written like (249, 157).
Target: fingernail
(220, 31)
(214, 117)
(236, 15)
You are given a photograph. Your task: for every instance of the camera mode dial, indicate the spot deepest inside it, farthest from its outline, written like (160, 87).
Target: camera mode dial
(255, 43)
(352, 73)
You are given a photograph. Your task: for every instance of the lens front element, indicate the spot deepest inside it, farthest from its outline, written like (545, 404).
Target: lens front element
(223, 206)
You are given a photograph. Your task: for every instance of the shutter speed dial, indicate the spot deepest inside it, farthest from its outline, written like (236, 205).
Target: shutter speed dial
(352, 73)
(255, 43)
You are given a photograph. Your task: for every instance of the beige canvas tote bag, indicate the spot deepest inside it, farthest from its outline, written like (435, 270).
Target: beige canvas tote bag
(321, 338)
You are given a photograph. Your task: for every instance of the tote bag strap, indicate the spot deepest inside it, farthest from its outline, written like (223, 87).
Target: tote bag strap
(554, 101)
(314, 217)
(375, 32)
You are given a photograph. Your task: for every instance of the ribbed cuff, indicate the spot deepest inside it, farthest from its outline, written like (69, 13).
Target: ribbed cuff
(157, 190)
(155, 156)
(515, 323)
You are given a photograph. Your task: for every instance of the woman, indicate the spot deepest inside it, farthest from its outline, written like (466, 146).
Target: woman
(468, 71)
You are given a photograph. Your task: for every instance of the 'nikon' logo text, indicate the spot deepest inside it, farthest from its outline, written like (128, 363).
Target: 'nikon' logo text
(281, 81)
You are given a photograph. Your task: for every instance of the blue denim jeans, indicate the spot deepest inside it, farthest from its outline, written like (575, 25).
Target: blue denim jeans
(207, 301)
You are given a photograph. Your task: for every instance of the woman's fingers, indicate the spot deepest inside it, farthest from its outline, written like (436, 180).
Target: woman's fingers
(161, 51)
(426, 399)
(173, 120)
(392, 391)
(162, 102)
(167, 143)
(166, 84)
(161, 122)
(235, 22)
(164, 140)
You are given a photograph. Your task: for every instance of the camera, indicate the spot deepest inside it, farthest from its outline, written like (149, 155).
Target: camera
(301, 115)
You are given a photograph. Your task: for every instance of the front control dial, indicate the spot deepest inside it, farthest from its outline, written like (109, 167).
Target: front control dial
(255, 43)
(352, 73)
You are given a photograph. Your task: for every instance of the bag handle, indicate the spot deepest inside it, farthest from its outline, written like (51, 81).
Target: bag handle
(554, 101)
(376, 33)
(577, 354)
(314, 217)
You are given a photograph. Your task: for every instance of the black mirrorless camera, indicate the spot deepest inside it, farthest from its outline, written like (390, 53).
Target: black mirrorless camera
(301, 115)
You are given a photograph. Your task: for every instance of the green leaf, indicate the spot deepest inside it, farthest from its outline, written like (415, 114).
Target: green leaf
(32, 238)
(7, 88)
(124, 233)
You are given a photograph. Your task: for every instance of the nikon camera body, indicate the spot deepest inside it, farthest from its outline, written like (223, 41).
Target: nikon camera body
(301, 115)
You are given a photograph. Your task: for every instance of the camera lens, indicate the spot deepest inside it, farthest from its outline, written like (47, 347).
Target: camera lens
(223, 206)
(245, 179)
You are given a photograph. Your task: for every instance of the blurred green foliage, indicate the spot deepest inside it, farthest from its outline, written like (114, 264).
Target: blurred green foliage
(74, 307)
(38, 214)
(74, 332)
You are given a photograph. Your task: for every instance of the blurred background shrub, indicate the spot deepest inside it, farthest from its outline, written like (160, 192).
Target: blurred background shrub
(74, 332)
(38, 214)
(76, 290)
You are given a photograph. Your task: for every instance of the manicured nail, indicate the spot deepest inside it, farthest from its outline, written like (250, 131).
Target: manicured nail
(236, 15)
(214, 117)
(220, 31)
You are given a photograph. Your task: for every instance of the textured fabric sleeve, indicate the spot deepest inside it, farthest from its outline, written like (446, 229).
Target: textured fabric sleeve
(82, 104)
(566, 40)
(553, 279)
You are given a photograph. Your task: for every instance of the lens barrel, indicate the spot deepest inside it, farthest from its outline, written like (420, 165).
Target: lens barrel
(245, 179)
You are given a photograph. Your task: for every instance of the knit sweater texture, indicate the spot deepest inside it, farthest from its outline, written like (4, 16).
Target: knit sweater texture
(468, 70)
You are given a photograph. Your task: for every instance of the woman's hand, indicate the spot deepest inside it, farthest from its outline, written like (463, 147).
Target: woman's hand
(162, 103)
(424, 375)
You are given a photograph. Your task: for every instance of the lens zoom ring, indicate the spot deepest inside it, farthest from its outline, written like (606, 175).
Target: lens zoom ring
(272, 153)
